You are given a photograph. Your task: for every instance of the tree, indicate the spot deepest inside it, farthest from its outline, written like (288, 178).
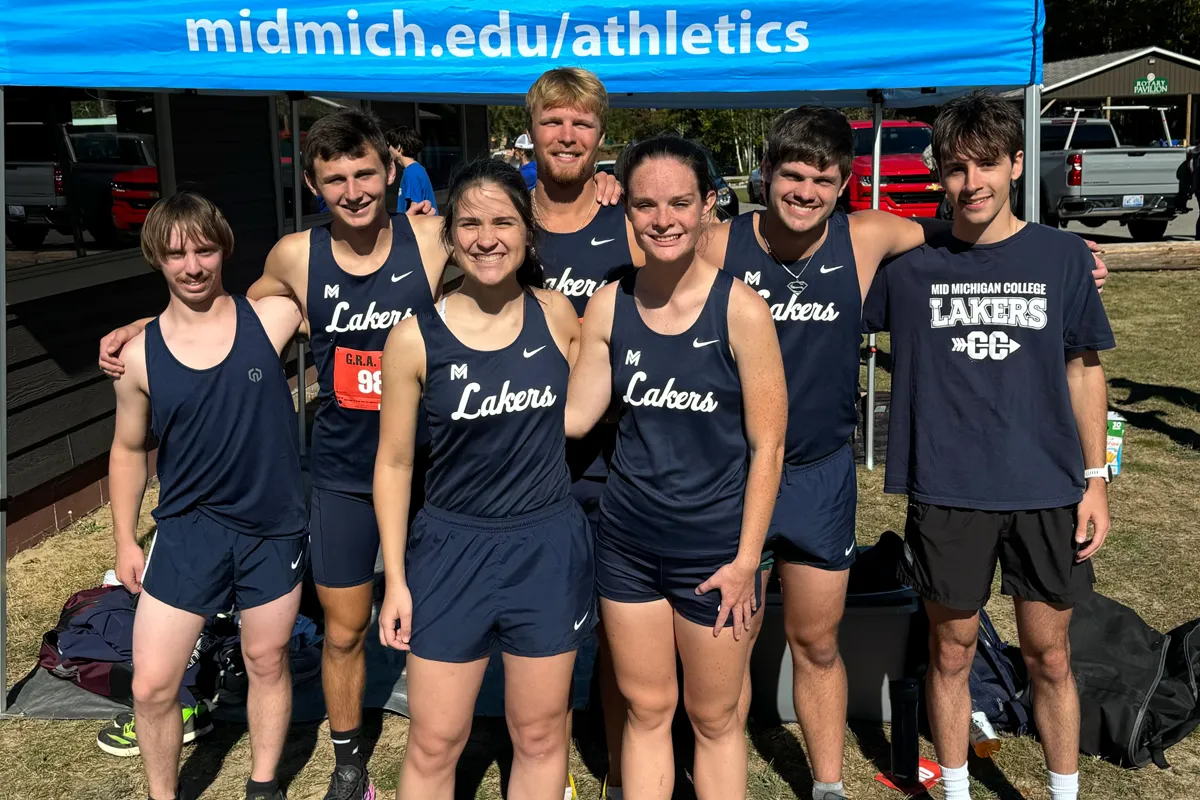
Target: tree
(1076, 28)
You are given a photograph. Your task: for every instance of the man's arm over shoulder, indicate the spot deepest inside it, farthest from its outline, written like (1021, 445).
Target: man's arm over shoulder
(878, 236)
(280, 318)
(286, 264)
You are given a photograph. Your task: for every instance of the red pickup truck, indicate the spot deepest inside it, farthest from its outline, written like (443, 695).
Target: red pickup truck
(906, 186)
(133, 193)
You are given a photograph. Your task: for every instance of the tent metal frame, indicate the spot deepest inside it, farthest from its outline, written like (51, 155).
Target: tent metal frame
(1032, 104)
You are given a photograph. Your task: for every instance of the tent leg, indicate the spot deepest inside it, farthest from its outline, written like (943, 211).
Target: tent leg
(869, 416)
(298, 218)
(3, 446)
(1033, 155)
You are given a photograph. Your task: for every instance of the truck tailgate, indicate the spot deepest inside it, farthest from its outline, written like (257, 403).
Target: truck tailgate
(1131, 171)
(29, 183)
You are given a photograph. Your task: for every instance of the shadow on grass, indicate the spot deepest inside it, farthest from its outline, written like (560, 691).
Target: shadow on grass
(1140, 392)
(1153, 421)
(785, 755)
(203, 762)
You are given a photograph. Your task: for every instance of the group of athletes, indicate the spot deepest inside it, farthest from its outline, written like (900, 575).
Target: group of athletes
(624, 415)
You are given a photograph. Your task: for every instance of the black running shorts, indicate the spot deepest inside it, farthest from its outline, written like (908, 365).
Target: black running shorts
(950, 555)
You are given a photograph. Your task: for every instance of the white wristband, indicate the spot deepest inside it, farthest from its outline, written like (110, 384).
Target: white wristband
(1098, 472)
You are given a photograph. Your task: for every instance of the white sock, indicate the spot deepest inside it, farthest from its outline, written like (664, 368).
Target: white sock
(822, 789)
(1064, 787)
(956, 782)
(567, 793)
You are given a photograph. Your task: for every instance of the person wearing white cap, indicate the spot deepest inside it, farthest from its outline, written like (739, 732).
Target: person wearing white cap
(524, 150)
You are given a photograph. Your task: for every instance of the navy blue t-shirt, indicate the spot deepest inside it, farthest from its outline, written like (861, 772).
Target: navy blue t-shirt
(981, 415)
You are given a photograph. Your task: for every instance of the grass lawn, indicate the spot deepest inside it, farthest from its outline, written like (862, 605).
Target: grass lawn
(1149, 564)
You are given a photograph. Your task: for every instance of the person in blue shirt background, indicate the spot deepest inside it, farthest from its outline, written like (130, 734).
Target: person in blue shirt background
(524, 150)
(406, 145)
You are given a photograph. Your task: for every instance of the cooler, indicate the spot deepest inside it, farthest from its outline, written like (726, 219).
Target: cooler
(873, 639)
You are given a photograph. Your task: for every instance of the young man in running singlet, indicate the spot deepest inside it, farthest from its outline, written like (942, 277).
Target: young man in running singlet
(205, 378)
(354, 280)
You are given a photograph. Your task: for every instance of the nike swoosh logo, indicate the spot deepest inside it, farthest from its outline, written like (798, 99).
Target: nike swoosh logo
(698, 343)
(850, 549)
(826, 270)
(579, 624)
(598, 242)
(532, 353)
(398, 278)
(296, 563)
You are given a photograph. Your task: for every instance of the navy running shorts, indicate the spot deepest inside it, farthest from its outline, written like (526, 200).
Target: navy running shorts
(625, 574)
(345, 538)
(523, 584)
(813, 522)
(196, 564)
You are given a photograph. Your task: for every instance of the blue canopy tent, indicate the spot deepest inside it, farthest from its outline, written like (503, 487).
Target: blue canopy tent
(760, 53)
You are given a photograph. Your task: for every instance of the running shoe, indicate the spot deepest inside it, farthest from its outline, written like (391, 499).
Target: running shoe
(610, 794)
(349, 782)
(569, 792)
(119, 737)
(275, 795)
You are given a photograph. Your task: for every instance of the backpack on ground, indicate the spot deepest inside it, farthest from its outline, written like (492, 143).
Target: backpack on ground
(999, 687)
(1137, 687)
(92, 644)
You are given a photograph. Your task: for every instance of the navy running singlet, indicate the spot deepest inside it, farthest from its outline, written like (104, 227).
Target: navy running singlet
(577, 264)
(226, 439)
(678, 477)
(817, 308)
(349, 319)
(496, 419)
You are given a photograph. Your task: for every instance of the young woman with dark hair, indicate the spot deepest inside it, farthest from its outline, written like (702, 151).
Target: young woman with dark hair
(691, 356)
(500, 556)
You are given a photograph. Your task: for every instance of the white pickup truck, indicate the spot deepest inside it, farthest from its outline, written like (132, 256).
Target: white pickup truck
(1089, 177)
(33, 183)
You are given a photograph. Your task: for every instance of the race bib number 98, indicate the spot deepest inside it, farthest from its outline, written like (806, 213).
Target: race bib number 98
(356, 378)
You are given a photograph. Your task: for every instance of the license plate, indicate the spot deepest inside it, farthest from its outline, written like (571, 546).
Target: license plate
(16, 212)
(1133, 201)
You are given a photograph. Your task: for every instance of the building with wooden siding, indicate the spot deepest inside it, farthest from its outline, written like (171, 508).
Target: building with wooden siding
(1150, 76)
(73, 287)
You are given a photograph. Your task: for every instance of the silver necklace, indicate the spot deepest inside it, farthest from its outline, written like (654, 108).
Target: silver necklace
(795, 286)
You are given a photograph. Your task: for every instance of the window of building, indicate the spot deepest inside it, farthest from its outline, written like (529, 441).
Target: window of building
(311, 109)
(441, 128)
(80, 172)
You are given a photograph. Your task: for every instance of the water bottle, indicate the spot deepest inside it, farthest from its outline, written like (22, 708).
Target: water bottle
(984, 741)
(905, 695)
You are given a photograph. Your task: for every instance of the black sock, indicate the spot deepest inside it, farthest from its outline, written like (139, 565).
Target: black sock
(265, 787)
(345, 747)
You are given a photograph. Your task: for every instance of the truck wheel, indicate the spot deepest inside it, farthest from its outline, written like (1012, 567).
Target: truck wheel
(1147, 230)
(27, 237)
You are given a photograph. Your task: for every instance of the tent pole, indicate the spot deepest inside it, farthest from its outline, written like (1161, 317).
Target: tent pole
(298, 219)
(876, 155)
(1033, 155)
(3, 443)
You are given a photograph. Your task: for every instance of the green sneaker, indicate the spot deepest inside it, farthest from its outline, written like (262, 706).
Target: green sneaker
(119, 738)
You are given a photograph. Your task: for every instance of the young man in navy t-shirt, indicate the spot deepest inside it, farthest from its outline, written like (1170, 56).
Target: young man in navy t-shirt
(997, 433)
